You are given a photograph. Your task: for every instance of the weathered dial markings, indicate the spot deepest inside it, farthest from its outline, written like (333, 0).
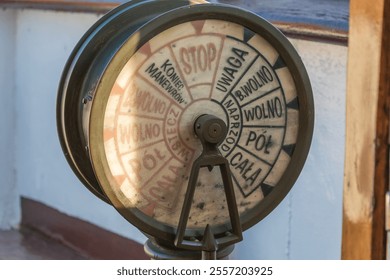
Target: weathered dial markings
(208, 66)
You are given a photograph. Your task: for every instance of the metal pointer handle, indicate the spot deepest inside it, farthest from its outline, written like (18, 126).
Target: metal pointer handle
(211, 132)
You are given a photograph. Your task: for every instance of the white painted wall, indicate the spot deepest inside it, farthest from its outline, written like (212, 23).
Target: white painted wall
(9, 201)
(306, 225)
(44, 42)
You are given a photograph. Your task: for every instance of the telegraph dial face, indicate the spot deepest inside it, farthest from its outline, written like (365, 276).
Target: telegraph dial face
(233, 65)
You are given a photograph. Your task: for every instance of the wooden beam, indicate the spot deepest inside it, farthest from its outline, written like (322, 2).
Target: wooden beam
(367, 131)
(292, 29)
(61, 5)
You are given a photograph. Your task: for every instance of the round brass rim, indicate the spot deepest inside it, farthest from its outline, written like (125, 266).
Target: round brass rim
(144, 34)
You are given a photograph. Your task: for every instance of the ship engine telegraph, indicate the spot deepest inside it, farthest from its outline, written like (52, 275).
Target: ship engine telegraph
(193, 120)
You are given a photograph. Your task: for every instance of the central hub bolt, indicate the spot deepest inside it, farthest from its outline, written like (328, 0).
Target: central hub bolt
(210, 129)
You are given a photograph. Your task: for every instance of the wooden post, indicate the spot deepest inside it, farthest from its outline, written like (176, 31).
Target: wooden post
(366, 177)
